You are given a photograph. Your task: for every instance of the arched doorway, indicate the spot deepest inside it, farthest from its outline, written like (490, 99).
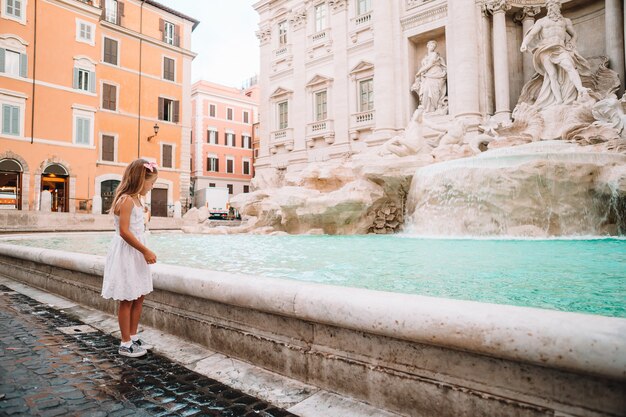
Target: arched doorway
(10, 184)
(107, 192)
(56, 179)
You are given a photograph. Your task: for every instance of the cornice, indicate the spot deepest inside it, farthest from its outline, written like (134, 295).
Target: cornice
(427, 16)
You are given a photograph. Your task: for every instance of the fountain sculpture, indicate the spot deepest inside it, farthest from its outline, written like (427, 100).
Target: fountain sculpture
(558, 168)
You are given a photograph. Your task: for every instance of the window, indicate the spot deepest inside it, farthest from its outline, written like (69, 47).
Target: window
(320, 17)
(246, 189)
(108, 148)
(10, 120)
(212, 163)
(246, 167)
(212, 110)
(110, 51)
(321, 106)
(168, 110)
(246, 117)
(211, 185)
(84, 80)
(109, 97)
(84, 32)
(366, 95)
(166, 156)
(246, 143)
(230, 188)
(212, 137)
(11, 62)
(168, 69)
(363, 6)
(230, 166)
(13, 8)
(169, 33)
(282, 33)
(82, 135)
(230, 139)
(229, 114)
(283, 115)
(110, 11)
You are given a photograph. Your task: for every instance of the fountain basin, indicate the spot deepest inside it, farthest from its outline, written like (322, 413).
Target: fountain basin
(433, 356)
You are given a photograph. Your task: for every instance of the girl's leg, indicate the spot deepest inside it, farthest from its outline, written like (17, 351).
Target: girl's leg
(124, 319)
(135, 314)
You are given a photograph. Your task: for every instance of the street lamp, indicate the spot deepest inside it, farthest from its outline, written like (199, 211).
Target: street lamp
(156, 132)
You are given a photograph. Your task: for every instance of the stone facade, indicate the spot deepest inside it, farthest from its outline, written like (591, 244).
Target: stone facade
(336, 76)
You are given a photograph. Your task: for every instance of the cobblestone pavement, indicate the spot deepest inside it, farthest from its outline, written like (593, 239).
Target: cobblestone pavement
(52, 364)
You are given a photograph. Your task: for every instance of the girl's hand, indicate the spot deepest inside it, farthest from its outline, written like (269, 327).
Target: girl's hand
(150, 256)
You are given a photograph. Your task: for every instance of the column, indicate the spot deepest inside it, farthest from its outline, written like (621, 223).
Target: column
(527, 17)
(498, 9)
(384, 70)
(462, 39)
(614, 30)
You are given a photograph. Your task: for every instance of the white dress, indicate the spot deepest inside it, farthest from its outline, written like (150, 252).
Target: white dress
(127, 275)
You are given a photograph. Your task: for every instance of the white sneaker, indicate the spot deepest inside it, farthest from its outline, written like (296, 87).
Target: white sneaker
(134, 351)
(142, 343)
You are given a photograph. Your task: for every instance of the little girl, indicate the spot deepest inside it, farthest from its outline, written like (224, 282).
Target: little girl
(127, 275)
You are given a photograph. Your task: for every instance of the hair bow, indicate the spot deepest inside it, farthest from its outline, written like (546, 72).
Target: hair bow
(150, 166)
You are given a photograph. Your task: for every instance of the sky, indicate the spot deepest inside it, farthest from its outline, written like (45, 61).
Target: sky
(227, 48)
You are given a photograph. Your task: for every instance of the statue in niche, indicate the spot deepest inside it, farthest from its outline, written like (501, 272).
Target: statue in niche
(552, 41)
(430, 81)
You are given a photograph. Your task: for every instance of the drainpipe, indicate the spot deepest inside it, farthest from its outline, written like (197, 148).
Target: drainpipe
(140, 69)
(32, 104)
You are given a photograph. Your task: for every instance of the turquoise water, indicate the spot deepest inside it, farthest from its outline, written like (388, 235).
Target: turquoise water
(582, 275)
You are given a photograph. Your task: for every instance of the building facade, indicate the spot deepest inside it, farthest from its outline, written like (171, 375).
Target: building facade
(223, 120)
(85, 88)
(336, 75)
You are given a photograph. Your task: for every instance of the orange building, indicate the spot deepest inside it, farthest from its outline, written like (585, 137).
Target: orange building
(85, 85)
(223, 119)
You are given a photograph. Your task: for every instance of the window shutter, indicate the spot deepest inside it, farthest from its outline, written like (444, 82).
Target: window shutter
(162, 29)
(108, 148)
(23, 65)
(217, 165)
(120, 12)
(15, 120)
(176, 111)
(79, 130)
(75, 84)
(114, 51)
(105, 96)
(92, 81)
(161, 108)
(103, 15)
(2, 60)
(167, 156)
(176, 35)
(86, 138)
(113, 97)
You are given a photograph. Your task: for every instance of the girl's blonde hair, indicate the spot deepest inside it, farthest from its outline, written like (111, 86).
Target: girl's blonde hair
(135, 176)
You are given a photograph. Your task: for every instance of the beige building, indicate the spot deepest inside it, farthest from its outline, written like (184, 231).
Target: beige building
(336, 75)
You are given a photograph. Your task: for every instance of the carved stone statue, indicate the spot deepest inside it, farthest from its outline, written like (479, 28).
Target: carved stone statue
(411, 142)
(430, 81)
(552, 41)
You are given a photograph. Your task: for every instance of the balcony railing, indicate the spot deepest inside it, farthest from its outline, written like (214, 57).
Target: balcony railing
(282, 137)
(320, 128)
(322, 36)
(282, 52)
(363, 19)
(362, 119)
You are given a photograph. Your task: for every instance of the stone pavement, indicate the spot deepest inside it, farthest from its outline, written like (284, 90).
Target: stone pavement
(51, 364)
(58, 357)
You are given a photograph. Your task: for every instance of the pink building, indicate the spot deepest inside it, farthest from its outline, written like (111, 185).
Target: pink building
(221, 151)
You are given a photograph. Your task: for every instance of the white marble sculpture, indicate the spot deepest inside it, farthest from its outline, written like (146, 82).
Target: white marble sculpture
(552, 41)
(430, 81)
(411, 141)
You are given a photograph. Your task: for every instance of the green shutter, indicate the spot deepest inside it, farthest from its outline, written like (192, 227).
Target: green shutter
(75, 81)
(15, 120)
(86, 126)
(79, 129)
(23, 65)
(92, 81)
(2, 59)
(6, 118)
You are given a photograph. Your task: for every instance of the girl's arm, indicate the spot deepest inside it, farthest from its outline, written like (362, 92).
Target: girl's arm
(126, 208)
